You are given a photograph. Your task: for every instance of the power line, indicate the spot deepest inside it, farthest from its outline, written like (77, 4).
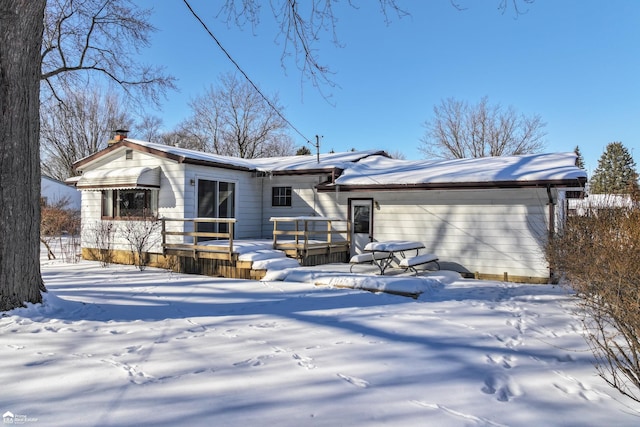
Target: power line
(243, 73)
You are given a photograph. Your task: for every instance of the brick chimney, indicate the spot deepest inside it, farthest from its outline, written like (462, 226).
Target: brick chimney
(118, 135)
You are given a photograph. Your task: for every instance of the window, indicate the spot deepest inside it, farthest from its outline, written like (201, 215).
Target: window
(136, 203)
(362, 219)
(281, 196)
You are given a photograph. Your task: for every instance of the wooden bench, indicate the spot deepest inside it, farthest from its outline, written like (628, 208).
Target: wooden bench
(366, 258)
(410, 263)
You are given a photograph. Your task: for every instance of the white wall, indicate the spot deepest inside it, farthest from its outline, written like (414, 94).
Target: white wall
(247, 204)
(305, 200)
(177, 197)
(490, 231)
(170, 197)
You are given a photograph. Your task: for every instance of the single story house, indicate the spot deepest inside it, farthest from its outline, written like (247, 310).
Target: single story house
(490, 216)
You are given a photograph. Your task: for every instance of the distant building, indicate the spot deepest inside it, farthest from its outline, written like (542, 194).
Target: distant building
(52, 191)
(596, 202)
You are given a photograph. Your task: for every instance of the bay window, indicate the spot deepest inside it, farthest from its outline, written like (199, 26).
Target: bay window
(129, 203)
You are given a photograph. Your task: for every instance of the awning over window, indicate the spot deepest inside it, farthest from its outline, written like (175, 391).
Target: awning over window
(123, 178)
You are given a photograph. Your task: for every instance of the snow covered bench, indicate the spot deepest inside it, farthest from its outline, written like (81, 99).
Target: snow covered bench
(410, 263)
(367, 258)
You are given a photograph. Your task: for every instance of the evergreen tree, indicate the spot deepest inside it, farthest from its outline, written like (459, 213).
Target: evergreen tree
(616, 171)
(580, 159)
(303, 151)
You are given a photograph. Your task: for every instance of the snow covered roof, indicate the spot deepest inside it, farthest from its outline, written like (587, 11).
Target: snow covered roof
(381, 171)
(374, 169)
(282, 165)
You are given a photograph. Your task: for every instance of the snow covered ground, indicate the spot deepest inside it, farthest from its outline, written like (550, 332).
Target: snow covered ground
(117, 346)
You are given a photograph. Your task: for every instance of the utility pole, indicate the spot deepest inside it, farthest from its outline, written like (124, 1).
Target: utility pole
(318, 147)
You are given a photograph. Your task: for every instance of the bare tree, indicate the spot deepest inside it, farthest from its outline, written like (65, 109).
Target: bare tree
(301, 26)
(459, 130)
(77, 125)
(235, 121)
(148, 128)
(21, 26)
(184, 137)
(88, 39)
(519, 6)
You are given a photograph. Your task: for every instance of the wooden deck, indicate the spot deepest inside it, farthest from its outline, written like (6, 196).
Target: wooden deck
(310, 240)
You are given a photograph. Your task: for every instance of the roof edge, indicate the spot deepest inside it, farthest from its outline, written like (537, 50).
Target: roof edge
(128, 144)
(570, 183)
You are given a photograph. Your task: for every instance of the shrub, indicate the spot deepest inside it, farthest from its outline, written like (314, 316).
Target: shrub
(61, 224)
(101, 234)
(142, 234)
(598, 254)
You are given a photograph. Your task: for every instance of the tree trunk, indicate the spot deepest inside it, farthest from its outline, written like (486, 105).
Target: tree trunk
(21, 27)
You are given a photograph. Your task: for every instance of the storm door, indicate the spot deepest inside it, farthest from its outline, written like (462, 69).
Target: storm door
(361, 217)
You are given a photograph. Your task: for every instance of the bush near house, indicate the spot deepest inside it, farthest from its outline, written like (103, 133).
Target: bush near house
(60, 224)
(598, 253)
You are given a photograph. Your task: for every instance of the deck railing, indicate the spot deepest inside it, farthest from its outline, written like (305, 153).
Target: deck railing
(194, 247)
(308, 234)
(298, 237)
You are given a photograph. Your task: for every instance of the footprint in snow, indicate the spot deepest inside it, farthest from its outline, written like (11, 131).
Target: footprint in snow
(136, 376)
(266, 325)
(253, 362)
(15, 347)
(506, 362)
(503, 386)
(305, 362)
(574, 387)
(358, 382)
(466, 417)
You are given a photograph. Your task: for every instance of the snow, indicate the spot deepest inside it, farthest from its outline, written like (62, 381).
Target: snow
(393, 245)
(267, 164)
(117, 346)
(371, 167)
(378, 170)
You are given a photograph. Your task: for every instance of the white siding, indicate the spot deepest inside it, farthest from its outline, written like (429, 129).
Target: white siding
(247, 204)
(170, 197)
(490, 231)
(305, 200)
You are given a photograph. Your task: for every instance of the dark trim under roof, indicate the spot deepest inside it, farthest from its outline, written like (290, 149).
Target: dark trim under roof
(573, 183)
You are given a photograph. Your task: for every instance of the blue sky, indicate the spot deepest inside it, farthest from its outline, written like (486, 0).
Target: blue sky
(574, 62)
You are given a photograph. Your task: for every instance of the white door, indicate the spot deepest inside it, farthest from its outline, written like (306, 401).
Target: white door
(361, 217)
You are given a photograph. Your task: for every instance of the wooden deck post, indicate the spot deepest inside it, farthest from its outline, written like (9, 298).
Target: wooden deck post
(164, 237)
(230, 240)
